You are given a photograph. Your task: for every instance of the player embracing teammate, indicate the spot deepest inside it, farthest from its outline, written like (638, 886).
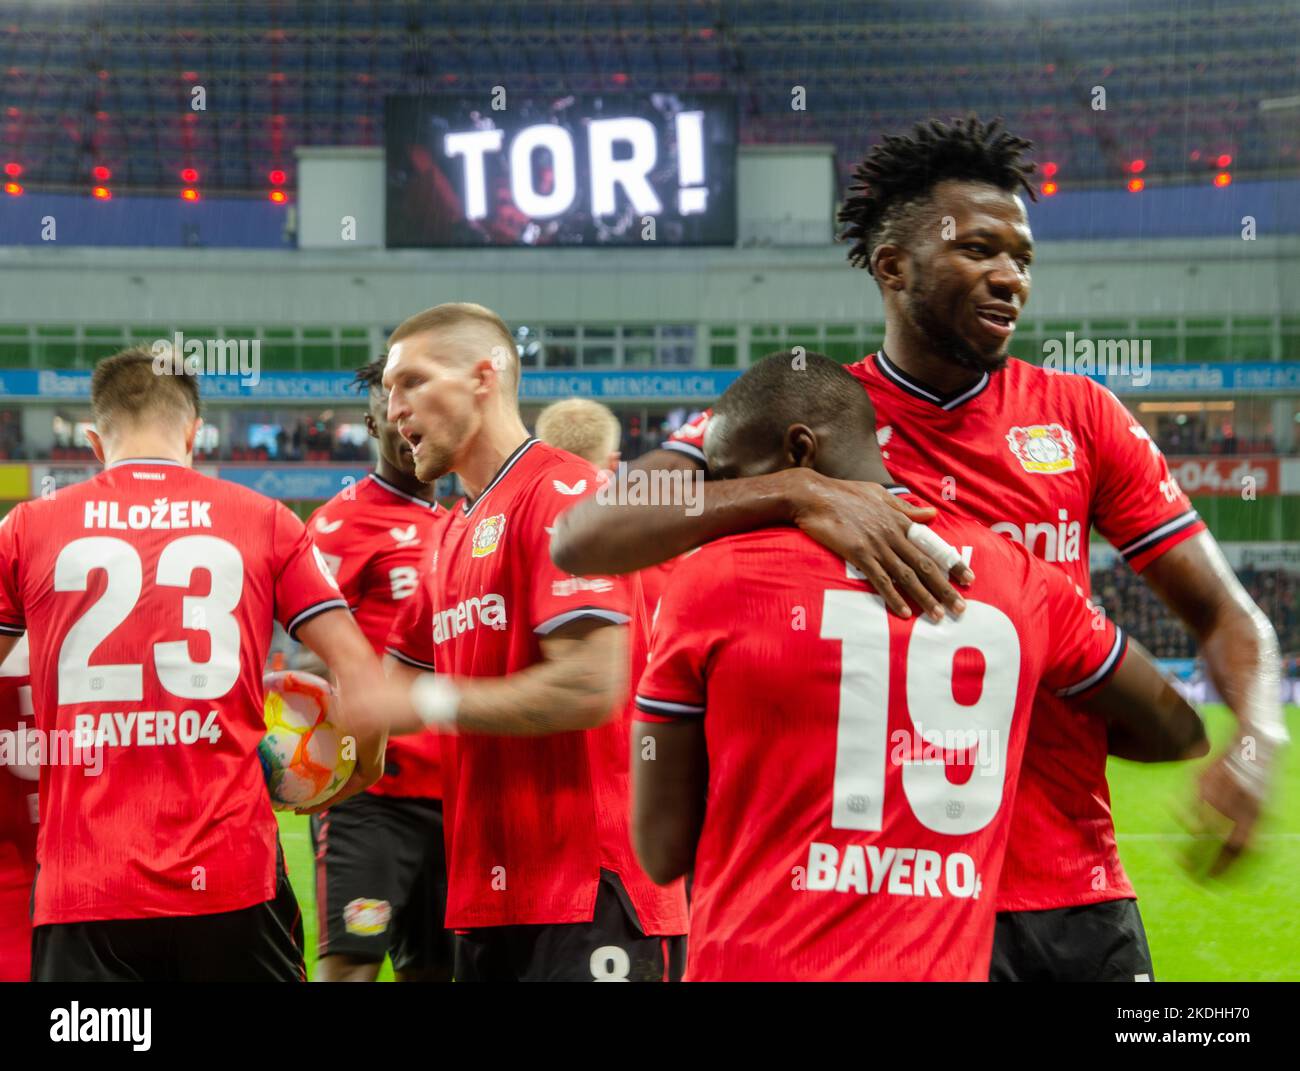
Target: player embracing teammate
(1039, 457)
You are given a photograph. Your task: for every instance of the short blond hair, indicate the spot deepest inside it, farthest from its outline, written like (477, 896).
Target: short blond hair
(582, 427)
(141, 387)
(458, 314)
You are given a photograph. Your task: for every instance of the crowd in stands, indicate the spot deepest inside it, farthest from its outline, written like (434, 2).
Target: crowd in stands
(1139, 611)
(1196, 438)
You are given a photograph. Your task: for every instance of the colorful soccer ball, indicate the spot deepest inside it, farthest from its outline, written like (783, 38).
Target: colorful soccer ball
(301, 752)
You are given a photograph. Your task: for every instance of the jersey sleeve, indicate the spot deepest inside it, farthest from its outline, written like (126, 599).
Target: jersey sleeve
(556, 597)
(689, 438)
(348, 579)
(1084, 647)
(304, 585)
(410, 640)
(688, 629)
(1137, 504)
(12, 618)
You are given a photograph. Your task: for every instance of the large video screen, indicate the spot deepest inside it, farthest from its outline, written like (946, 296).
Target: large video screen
(610, 170)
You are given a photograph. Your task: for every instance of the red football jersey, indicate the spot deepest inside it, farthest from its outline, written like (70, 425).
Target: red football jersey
(1041, 458)
(148, 594)
(689, 438)
(862, 767)
(530, 821)
(19, 770)
(378, 540)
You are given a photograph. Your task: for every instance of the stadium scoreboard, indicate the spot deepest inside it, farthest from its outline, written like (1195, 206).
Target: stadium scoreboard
(628, 169)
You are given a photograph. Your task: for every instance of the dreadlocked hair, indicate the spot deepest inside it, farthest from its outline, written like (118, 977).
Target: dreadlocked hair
(894, 180)
(370, 376)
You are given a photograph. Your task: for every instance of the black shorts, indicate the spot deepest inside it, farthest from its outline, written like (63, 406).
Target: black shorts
(262, 943)
(1103, 942)
(610, 948)
(381, 882)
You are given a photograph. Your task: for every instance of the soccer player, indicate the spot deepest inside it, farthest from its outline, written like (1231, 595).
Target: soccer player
(148, 594)
(582, 427)
(1039, 457)
(858, 769)
(381, 871)
(531, 668)
(19, 769)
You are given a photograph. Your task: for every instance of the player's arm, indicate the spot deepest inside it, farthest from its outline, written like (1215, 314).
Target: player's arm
(337, 640)
(1139, 507)
(1092, 663)
(7, 642)
(1147, 718)
(580, 683)
(861, 522)
(1241, 655)
(670, 781)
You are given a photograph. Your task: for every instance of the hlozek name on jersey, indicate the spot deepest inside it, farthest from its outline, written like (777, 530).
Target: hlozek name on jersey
(489, 610)
(871, 869)
(163, 515)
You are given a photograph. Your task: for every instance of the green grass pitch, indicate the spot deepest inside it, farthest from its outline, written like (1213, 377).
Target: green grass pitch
(1234, 929)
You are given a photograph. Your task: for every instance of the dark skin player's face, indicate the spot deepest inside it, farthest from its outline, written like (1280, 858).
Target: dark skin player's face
(392, 447)
(965, 278)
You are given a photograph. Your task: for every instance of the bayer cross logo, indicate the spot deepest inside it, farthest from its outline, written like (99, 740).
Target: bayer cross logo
(954, 809)
(858, 803)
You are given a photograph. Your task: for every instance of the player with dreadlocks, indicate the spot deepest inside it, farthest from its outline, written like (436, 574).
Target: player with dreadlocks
(937, 219)
(381, 879)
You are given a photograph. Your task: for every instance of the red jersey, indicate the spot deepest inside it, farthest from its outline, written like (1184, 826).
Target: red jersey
(1041, 458)
(378, 540)
(531, 821)
(19, 771)
(689, 438)
(148, 594)
(862, 767)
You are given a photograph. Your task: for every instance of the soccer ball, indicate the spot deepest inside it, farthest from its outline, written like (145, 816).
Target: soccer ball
(300, 753)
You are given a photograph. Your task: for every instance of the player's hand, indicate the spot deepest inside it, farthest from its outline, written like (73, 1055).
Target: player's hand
(868, 527)
(370, 739)
(1232, 792)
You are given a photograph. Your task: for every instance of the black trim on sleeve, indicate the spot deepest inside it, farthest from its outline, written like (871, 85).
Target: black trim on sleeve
(668, 709)
(414, 662)
(1142, 543)
(1103, 672)
(689, 449)
(303, 616)
(551, 624)
(12, 630)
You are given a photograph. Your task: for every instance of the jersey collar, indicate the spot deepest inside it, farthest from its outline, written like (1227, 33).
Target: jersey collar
(380, 482)
(509, 463)
(145, 461)
(918, 389)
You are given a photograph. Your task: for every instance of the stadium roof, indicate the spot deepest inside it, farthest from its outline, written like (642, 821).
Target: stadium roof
(1188, 83)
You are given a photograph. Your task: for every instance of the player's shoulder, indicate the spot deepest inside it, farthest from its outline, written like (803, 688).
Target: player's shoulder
(770, 552)
(864, 369)
(1047, 383)
(351, 503)
(551, 471)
